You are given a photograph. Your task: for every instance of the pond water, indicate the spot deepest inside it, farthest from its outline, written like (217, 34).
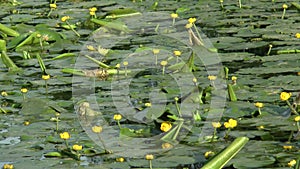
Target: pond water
(131, 58)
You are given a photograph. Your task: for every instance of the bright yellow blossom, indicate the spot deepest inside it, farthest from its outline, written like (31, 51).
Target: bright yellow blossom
(65, 18)
(155, 51)
(8, 166)
(174, 15)
(92, 13)
(297, 35)
(297, 118)
(4, 93)
(212, 77)
(287, 147)
(148, 104)
(177, 53)
(125, 63)
(117, 117)
(77, 147)
(163, 63)
(233, 78)
(53, 6)
(285, 96)
(285, 6)
(292, 163)
(149, 157)
(120, 159)
(216, 124)
(26, 123)
(93, 9)
(192, 20)
(65, 135)
(166, 146)
(24, 90)
(189, 25)
(46, 77)
(230, 124)
(165, 126)
(259, 104)
(97, 129)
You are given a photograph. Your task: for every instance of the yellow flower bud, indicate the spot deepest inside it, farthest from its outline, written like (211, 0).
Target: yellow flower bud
(97, 129)
(208, 154)
(8, 166)
(174, 15)
(149, 157)
(165, 126)
(65, 18)
(26, 123)
(230, 124)
(117, 117)
(125, 63)
(287, 147)
(53, 6)
(166, 146)
(4, 93)
(284, 6)
(216, 124)
(189, 25)
(297, 118)
(46, 77)
(92, 13)
(285, 96)
(77, 147)
(65, 135)
(292, 163)
(148, 104)
(24, 90)
(121, 159)
(233, 78)
(211, 77)
(163, 63)
(259, 105)
(192, 20)
(93, 9)
(155, 51)
(118, 66)
(177, 53)
(297, 35)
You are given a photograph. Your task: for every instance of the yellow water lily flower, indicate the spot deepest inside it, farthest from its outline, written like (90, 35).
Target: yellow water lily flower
(148, 104)
(211, 77)
(285, 96)
(97, 129)
(65, 18)
(163, 63)
(117, 117)
(287, 147)
(297, 35)
(77, 147)
(189, 25)
(4, 93)
(53, 6)
(121, 159)
(259, 104)
(165, 126)
(166, 146)
(285, 6)
(208, 154)
(216, 124)
(192, 20)
(93, 9)
(46, 77)
(297, 118)
(230, 124)
(65, 135)
(177, 53)
(174, 15)
(233, 78)
(8, 166)
(292, 163)
(24, 90)
(149, 157)
(155, 51)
